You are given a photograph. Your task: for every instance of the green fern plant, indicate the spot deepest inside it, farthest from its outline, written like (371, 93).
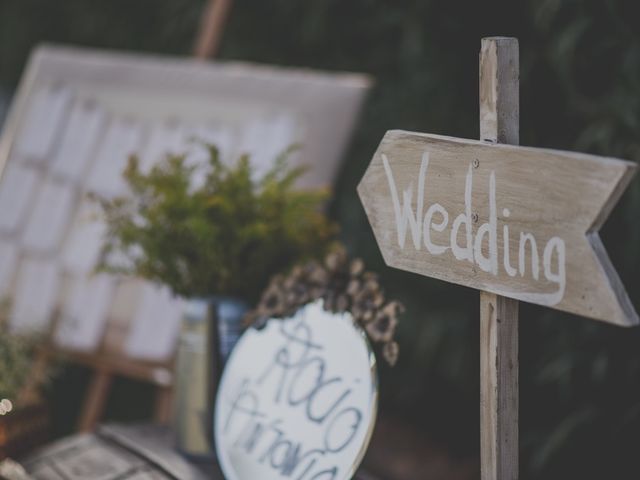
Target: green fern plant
(19, 354)
(225, 237)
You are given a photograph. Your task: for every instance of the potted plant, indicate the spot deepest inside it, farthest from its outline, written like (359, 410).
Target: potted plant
(217, 243)
(226, 237)
(24, 414)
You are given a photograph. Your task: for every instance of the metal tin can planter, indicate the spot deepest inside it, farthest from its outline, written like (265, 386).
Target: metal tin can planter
(210, 329)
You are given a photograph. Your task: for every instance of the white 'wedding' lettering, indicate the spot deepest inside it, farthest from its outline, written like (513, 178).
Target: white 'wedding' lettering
(470, 248)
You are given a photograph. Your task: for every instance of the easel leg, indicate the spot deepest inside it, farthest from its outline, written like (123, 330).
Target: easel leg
(95, 401)
(30, 393)
(163, 405)
(498, 387)
(212, 25)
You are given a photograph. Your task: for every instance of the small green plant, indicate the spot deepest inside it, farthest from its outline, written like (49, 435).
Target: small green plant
(226, 237)
(22, 373)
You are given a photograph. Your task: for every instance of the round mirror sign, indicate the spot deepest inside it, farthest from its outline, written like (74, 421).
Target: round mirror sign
(297, 400)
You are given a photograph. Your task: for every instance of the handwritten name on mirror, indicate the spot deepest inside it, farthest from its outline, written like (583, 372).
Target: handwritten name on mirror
(297, 400)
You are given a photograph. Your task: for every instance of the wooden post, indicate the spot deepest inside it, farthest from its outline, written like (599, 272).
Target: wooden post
(212, 25)
(499, 122)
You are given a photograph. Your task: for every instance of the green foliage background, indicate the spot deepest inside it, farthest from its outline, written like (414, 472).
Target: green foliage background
(580, 84)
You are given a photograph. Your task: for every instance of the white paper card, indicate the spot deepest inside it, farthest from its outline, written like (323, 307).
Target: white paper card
(284, 134)
(85, 314)
(82, 248)
(49, 219)
(265, 139)
(36, 295)
(253, 136)
(164, 139)
(156, 325)
(77, 147)
(43, 121)
(16, 190)
(8, 263)
(121, 140)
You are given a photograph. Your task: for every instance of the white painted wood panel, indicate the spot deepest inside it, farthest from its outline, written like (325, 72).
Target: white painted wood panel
(17, 187)
(155, 326)
(82, 131)
(122, 138)
(36, 295)
(49, 220)
(42, 123)
(82, 248)
(85, 314)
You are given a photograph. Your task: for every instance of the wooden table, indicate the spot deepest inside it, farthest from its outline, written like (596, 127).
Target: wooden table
(141, 452)
(116, 451)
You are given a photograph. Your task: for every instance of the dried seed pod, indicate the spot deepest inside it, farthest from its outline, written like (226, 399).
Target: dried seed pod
(342, 303)
(336, 260)
(343, 285)
(336, 302)
(390, 352)
(273, 301)
(316, 292)
(370, 276)
(366, 300)
(318, 276)
(353, 287)
(356, 268)
(249, 319)
(383, 326)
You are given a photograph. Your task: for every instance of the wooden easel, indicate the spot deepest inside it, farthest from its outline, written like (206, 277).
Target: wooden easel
(107, 363)
(212, 23)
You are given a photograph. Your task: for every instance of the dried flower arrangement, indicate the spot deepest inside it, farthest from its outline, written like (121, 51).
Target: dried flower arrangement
(344, 286)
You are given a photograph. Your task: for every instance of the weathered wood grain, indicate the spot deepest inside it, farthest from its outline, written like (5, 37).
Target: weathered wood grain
(552, 196)
(500, 90)
(498, 387)
(119, 452)
(499, 323)
(116, 452)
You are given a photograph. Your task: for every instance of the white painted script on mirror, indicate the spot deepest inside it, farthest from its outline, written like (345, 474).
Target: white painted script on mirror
(420, 223)
(297, 400)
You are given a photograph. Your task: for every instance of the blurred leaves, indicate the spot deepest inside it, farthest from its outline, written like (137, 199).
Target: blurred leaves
(19, 354)
(226, 236)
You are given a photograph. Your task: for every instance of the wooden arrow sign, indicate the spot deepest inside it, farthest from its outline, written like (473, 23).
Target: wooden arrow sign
(516, 221)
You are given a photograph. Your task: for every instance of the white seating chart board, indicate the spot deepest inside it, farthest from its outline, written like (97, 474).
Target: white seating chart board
(75, 120)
